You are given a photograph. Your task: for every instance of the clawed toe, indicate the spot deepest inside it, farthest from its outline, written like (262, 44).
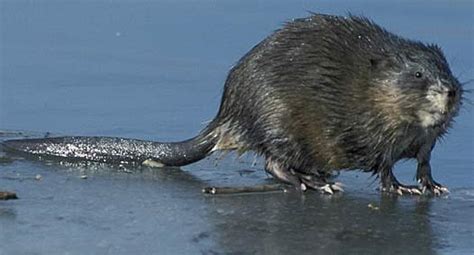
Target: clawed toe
(443, 189)
(412, 190)
(303, 187)
(337, 186)
(403, 190)
(434, 189)
(416, 191)
(327, 189)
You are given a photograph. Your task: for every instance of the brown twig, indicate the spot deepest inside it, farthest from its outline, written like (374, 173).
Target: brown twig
(248, 189)
(5, 195)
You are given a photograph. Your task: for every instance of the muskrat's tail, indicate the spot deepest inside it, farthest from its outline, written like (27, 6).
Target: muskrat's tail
(117, 150)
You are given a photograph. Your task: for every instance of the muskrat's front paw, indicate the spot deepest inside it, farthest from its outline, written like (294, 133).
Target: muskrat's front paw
(434, 188)
(332, 188)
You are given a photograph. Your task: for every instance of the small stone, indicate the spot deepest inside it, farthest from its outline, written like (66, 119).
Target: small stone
(373, 207)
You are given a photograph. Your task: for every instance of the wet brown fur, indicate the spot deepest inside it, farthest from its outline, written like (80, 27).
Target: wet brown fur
(322, 93)
(330, 93)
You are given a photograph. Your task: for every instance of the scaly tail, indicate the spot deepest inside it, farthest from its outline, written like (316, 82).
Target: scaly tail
(117, 150)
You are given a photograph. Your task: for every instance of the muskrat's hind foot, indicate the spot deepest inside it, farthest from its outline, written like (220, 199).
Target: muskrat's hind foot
(317, 183)
(302, 181)
(284, 175)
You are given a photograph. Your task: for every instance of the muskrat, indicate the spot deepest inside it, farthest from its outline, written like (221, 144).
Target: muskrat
(321, 94)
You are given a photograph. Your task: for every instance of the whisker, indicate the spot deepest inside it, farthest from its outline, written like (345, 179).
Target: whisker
(464, 108)
(465, 91)
(467, 82)
(467, 99)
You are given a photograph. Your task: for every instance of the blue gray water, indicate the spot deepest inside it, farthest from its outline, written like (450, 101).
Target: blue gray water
(155, 70)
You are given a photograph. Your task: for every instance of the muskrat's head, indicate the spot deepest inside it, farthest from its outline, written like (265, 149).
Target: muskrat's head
(422, 87)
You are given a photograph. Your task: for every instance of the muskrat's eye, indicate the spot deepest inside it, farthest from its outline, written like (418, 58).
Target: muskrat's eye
(418, 75)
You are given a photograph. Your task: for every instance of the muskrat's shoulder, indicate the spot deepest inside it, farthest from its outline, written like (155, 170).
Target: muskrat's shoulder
(321, 41)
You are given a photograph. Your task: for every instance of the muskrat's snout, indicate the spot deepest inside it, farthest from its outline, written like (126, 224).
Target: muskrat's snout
(454, 98)
(454, 95)
(453, 90)
(451, 94)
(444, 99)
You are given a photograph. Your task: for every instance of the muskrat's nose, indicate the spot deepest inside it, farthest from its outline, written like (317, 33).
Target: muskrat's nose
(452, 93)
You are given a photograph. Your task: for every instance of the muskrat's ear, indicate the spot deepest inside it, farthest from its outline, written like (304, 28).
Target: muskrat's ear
(377, 63)
(380, 63)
